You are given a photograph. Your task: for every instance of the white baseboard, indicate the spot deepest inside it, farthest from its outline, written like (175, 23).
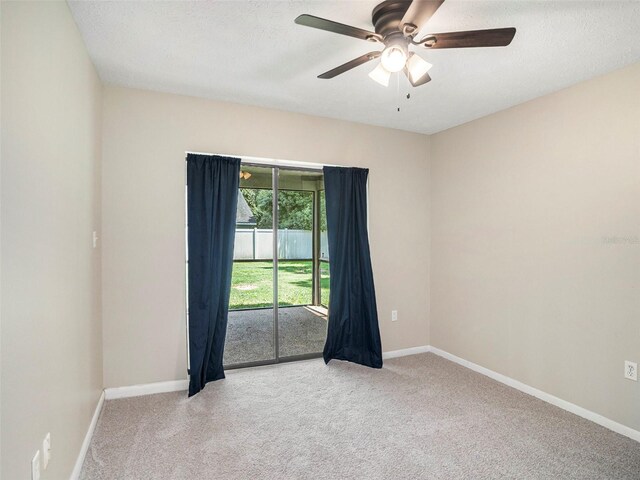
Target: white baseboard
(179, 385)
(553, 400)
(146, 389)
(77, 468)
(405, 351)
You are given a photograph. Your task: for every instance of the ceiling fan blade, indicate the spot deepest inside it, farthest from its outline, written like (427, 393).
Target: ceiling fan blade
(497, 37)
(349, 65)
(419, 12)
(421, 81)
(335, 27)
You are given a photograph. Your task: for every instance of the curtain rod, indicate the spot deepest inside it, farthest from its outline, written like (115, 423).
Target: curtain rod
(270, 161)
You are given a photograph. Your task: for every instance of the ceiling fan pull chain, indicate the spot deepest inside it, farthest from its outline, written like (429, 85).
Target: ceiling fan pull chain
(398, 91)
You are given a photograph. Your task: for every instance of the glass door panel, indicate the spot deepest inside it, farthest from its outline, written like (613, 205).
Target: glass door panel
(302, 325)
(251, 325)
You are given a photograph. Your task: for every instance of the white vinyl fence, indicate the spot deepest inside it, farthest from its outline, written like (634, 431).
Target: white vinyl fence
(257, 244)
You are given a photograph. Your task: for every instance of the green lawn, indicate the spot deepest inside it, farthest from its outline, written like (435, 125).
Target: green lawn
(252, 284)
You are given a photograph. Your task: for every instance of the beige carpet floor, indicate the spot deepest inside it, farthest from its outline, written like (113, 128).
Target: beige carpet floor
(420, 417)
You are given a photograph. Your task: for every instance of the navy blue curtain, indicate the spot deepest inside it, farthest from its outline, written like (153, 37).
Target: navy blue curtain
(212, 200)
(353, 333)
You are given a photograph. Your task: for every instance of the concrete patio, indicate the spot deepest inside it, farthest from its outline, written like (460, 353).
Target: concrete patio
(302, 330)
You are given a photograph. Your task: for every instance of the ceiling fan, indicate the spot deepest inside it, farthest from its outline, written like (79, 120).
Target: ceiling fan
(396, 24)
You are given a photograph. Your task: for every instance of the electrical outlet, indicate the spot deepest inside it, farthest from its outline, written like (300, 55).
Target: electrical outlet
(394, 315)
(631, 370)
(46, 451)
(35, 466)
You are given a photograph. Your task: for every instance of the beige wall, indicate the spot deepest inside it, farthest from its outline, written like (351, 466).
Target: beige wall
(526, 278)
(51, 332)
(145, 138)
(531, 217)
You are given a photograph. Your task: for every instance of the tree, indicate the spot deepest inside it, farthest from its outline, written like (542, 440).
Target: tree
(295, 208)
(261, 203)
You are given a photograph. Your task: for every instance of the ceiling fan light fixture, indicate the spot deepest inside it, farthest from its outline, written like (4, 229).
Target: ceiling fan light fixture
(380, 75)
(417, 67)
(394, 57)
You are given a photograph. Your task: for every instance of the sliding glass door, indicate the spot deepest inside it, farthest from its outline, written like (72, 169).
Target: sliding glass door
(302, 323)
(278, 289)
(251, 328)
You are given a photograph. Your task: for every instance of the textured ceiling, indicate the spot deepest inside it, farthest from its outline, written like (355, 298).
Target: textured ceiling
(251, 52)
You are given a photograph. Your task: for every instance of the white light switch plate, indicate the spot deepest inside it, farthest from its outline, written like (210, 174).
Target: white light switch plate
(631, 370)
(35, 466)
(394, 315)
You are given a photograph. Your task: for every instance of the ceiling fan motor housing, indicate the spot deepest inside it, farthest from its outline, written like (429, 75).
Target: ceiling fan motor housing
(386, 17)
